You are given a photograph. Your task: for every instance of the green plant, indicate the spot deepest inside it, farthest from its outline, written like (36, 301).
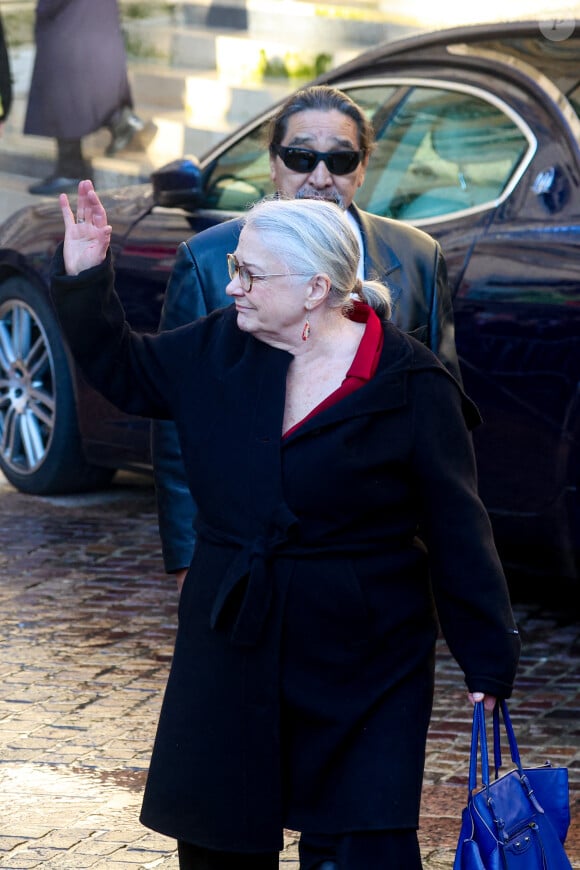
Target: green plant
(345, 13)
(293, 66)
(133, 11)
(18, 27)
(139, 48)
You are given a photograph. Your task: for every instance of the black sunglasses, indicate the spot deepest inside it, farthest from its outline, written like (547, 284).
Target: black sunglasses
(304, 160)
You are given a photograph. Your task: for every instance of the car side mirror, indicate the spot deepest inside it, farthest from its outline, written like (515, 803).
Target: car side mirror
(178, 184)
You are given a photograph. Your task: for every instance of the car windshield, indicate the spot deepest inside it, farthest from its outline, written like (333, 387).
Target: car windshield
(438, 150)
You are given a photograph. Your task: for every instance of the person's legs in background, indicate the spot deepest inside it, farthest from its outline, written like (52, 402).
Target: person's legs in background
(124, 125)
(126, 129)
(70, 162)
(71, 167)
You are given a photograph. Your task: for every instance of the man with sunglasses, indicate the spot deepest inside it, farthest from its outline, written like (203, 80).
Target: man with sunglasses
(320, 143)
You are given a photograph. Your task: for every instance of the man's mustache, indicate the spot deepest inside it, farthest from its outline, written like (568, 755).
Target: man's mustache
(334, 196)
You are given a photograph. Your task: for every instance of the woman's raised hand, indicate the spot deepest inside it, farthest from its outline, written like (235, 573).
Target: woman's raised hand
(86, 238)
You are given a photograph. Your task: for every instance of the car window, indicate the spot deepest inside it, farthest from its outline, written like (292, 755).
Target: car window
(438, 151)
(241, 175)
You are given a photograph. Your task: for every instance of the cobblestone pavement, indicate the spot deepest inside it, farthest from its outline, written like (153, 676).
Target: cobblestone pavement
(87, 623)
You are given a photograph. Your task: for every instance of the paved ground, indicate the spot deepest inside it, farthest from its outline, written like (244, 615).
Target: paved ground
(87, 621)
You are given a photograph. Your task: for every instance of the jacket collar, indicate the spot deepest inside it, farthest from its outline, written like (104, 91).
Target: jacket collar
(380, 260)
(386, 391)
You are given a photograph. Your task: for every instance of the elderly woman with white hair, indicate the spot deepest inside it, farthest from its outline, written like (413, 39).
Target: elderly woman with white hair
(339, 526)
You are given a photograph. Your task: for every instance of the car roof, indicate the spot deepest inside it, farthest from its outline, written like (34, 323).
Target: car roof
(526, 43)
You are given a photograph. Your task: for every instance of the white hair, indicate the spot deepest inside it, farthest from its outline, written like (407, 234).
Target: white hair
(314, 236)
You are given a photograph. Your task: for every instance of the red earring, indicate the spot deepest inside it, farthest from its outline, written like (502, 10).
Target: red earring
(306, 331)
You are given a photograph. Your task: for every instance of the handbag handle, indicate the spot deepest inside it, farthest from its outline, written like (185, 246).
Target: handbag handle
(479, 736)
(514, 751)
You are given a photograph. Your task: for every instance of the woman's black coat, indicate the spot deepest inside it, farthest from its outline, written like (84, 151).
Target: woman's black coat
(301, 686)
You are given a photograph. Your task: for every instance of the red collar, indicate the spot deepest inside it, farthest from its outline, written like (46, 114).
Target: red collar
(366, 359)
(364, 364)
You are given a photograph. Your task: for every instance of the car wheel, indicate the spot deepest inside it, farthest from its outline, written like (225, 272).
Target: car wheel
(40, 444)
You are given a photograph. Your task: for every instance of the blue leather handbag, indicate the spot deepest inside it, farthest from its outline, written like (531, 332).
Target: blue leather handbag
(518, 821)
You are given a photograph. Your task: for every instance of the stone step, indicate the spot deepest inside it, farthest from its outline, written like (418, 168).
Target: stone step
(236, 89)
(34, 156)
(245, 14)
(169, 136)
(208, 99)
(316, 24)
(199, 70)
(299, 25)
(285, 49)
(191, 109)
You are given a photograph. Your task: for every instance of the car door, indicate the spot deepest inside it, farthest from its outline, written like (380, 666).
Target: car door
(508, 225)
(517, 313)
(500, 197)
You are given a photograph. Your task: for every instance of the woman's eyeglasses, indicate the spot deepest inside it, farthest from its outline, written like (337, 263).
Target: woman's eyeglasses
(304, 160)
(246, 278)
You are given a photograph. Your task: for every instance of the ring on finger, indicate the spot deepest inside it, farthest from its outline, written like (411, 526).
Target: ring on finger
(80, 220)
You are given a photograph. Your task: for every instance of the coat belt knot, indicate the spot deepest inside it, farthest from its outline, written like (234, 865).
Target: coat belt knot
(244, 595)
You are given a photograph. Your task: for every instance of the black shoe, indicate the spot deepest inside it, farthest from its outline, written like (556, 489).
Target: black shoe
(123, 130)
(55, 184)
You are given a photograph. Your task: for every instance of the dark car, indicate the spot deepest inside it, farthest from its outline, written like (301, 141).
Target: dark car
(478, 136)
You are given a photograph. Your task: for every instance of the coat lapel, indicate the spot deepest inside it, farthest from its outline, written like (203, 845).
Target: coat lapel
(260, 421)
(386, 391)
(380, 259)
(381, 262)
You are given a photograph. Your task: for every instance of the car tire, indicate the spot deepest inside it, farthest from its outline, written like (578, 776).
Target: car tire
(40, 444)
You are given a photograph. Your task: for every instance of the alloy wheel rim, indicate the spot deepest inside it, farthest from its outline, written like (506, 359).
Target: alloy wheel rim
(27, 388)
